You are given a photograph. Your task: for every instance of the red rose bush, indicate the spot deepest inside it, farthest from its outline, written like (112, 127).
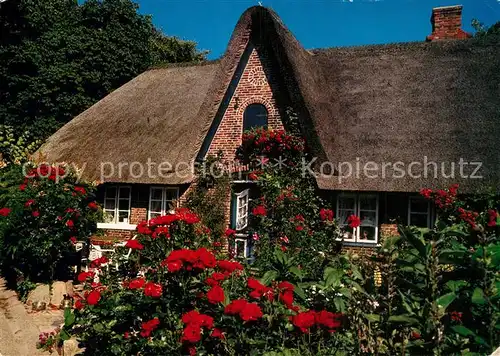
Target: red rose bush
(192, 300)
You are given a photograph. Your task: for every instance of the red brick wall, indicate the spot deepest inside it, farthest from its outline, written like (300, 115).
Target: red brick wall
(388, 230)
(447, 24)
(137, 215)
(254, 87)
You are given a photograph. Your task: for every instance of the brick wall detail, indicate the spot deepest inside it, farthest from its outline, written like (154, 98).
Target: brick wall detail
(447, 24)
(255, 87)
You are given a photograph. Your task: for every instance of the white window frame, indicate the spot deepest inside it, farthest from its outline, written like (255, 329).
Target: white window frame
(357, 211)
(164, 206)
(428, 213)
(244, 239)
(116, 211)
(244, 194)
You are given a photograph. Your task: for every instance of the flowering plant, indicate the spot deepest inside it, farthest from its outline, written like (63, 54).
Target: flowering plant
(188, 300)
(45, 214)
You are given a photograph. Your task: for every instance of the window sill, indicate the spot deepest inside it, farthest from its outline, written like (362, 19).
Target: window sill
(360, 244)
(121, 226)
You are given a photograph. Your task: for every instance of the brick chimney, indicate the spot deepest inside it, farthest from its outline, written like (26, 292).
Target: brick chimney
(447, 24)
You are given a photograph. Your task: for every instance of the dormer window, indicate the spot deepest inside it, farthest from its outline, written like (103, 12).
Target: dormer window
(255, 116)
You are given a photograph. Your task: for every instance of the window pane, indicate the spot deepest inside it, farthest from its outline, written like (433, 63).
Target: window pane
(124, 193)
(123, 204)
(156, 193)
(154, 215)
(367, 203)
(255, 115)
(367, 233)
(109, 204)
(343, 215)
(368, 218)
(171, 194)
(419, 220)
(123, 216)
(110, 192)
(240, 248)
(347, 203)
(155, 206)
(419, 205)
(109, 216)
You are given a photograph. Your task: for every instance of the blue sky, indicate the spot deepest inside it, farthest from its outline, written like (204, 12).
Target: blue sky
(316, 23)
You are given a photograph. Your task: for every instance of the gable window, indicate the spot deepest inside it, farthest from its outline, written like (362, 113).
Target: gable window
(419, 212)
(117, 204)
(255, 116)
(366, 206)
(162, 200)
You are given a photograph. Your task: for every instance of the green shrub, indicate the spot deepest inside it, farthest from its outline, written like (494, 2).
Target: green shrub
(42, 217)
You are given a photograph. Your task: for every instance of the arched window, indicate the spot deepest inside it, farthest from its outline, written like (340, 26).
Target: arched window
(255, 115)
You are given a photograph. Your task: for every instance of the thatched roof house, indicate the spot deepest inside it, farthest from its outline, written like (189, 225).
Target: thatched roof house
(436, 103)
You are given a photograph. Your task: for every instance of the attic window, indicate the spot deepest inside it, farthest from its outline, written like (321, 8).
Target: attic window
(255, 116)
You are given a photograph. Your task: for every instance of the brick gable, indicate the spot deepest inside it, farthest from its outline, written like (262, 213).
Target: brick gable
(256, 85)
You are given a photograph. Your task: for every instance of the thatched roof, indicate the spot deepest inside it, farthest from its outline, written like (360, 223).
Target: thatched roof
(384, 103)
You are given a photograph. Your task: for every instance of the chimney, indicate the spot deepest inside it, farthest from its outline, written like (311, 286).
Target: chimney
(447, 24)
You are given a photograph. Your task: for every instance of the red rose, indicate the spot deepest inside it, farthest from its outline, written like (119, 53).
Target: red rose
(73, 240)
(83, 276)
(78, 304)
(287, 299)
(29, 203)
(5, 211)
(80, 190)
(326, 214)
(251, 311)
(137, 283)
(492, 218)
(174, 266)
(35, 213)
(235, 306)
(153, 290)
(134, 244)
(205, 258)
(229, 266)
(299, 227)
(304, 320)
(259, 211)
(353, 221)
(70, 223)
(149, 326)
(93, 297)
(217, 333)
(215, 295)
(426, 193)
(126, 335)
(93, 206)
(192, 333)
(286, 286)
(22, 187)
(230, 232)
(327, 319)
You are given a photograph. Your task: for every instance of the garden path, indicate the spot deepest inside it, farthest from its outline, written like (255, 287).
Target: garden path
(19, 330)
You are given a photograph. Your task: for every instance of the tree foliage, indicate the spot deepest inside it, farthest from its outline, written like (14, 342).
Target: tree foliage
(59, 57)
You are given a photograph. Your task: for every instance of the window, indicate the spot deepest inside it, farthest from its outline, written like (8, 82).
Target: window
(117, 204)
(242, 210)
(161, 200)
(255, 115)
(366, 207)
(241, 248)
(419, 212)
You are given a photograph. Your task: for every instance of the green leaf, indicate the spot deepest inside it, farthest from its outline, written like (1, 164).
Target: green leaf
(462, 330)
(297, 272)
(69, 317)
(332, 276)
(268, 277)
(64, 335)
(478, 296)
(402, 319)
(455, 286)
(300, 292)
(372, 317)
(415, 241)
(445, 300)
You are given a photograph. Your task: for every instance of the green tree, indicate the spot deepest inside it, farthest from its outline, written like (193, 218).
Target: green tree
(60, 57)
